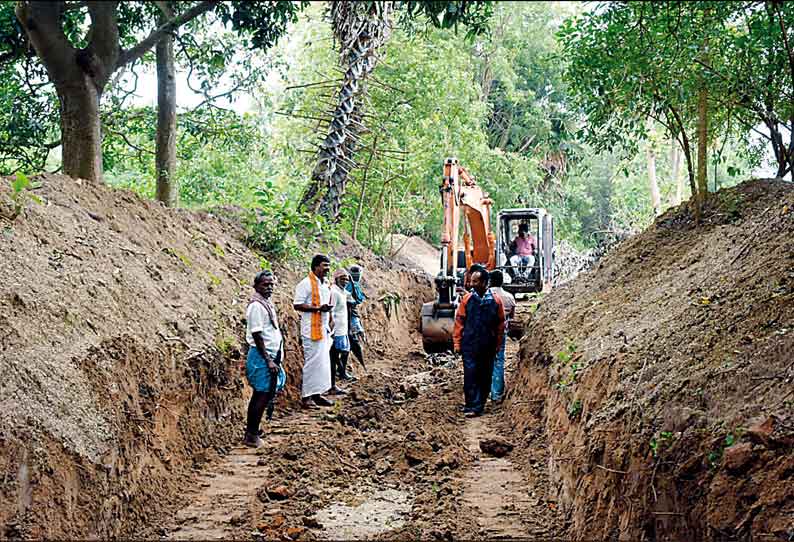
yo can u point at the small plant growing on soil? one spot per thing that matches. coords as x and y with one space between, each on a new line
214 281
564 357
574 409
225 345
181 257
664 441
391 302
20 195
715 456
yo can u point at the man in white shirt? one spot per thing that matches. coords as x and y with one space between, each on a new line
341 345
312 299
265 348
509 303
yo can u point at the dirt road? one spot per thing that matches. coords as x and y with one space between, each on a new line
393 459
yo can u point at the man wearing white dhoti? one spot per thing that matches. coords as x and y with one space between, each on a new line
313 300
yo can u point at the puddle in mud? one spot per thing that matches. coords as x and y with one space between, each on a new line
382 511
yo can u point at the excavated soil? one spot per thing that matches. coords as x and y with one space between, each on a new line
417 253
393 460
121 324
651 400
663 378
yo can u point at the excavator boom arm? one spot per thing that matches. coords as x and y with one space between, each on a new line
462 196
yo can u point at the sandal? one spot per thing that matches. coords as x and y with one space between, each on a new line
308 405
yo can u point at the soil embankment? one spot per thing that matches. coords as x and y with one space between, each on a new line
664 377
121 327
417 253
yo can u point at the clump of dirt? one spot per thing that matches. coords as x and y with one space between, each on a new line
664 377
121 327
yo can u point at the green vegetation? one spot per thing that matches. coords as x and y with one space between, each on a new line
568 358
575 409
20 195
391 304
664 441
605 114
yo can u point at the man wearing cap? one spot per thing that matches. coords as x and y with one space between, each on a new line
340 350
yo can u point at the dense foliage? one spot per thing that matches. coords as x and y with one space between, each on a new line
560 105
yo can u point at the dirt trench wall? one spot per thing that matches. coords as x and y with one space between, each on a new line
121 325
664 378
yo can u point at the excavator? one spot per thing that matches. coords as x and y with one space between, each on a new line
466 205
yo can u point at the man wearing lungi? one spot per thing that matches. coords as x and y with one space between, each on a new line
313 301
265 351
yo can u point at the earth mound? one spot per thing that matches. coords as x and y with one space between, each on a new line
121 331
417 253
664 377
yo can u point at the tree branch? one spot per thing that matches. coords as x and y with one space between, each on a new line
128 142
138 50
104 41
42 24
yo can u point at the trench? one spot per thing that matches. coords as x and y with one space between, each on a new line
409 465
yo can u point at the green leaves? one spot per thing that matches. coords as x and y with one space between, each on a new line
21 195
475 15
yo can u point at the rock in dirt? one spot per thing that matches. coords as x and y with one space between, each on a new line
311 522
496 447
382 466
738 456
761 430
278 493
447 460
276 522
417 452
293 533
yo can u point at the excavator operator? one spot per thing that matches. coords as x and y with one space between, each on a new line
522 249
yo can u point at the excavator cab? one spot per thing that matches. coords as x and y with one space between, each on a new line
531 271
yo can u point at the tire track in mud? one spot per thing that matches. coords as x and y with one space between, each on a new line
393 468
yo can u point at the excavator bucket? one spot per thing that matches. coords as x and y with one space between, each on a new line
437 326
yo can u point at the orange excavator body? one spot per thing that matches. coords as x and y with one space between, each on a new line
461 197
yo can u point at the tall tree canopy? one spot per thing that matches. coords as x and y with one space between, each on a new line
360 29
631 61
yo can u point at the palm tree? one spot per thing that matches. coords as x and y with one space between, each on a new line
360 29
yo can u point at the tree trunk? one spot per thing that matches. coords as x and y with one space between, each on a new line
80 75
80 129
361 28
653 185
165 150
505 137
656 199
676 121
703 132
675 161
